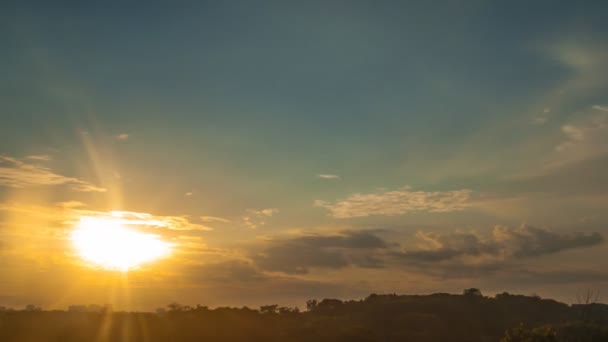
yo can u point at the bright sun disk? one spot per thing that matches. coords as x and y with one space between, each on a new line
108 244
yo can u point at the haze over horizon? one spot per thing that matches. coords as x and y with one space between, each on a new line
250 153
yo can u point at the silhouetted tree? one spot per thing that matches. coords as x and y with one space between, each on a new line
32 307
472 292
176 307
589 296
379 317
311 304
286 310
329 304
269 309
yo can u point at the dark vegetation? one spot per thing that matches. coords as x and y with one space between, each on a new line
437 317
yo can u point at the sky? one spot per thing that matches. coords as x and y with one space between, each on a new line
288 151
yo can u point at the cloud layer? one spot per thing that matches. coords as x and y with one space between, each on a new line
19 174
455 254
504 243
297 255
397 202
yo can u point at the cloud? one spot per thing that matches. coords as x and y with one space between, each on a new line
542 118
448 246
328 176
71 212
257 218
47 230
188 194
214 219
296 255
19 174
71 204
585 138
42 157
601 108
457 254
503 245
130 218
527 241
121 136
397 202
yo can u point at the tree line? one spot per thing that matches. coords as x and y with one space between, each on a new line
469 316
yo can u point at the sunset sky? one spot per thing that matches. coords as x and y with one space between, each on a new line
290 151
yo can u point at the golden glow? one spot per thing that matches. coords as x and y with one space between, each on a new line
107 243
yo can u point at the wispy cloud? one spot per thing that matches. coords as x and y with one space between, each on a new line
585 59
131 218
214 219
328 176
585 138
19 174
41 157
48 226
601 108
121 136
257 218
397 202
542 118
72 211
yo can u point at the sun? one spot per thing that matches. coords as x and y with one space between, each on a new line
107 243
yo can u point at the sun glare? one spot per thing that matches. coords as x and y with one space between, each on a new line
109 244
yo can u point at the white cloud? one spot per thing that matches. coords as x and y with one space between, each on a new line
42 157
19 174
328 176
397 202
121 136
257 218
